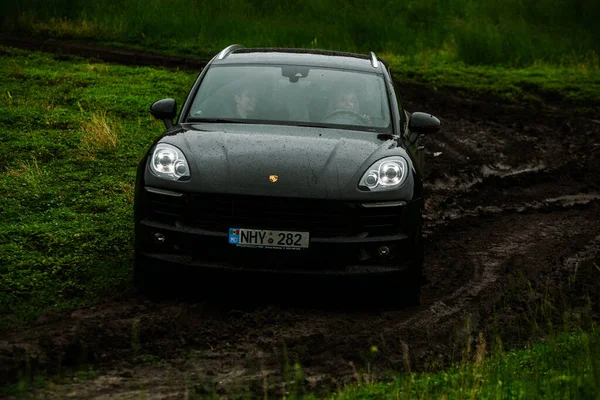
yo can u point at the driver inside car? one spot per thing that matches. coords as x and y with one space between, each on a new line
347 99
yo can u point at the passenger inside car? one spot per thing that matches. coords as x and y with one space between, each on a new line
245 103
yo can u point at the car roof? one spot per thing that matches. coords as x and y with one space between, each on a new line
308 57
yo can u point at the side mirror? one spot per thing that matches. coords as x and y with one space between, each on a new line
164 109
423 123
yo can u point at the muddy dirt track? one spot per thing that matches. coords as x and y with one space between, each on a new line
512 235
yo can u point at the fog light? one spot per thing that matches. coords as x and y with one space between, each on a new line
383 251
159 238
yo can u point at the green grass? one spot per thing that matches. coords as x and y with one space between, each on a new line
74 132
488 32
565 367
538 84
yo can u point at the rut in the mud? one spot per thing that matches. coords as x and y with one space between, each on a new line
514 199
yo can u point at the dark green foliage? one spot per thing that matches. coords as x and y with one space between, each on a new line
517 32
511 32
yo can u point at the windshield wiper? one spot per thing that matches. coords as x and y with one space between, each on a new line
309 124
215 120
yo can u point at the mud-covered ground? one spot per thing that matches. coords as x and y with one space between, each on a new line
512 236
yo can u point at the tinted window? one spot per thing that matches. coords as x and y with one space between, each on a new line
292 95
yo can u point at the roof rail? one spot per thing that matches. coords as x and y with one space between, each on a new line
374 61
225 52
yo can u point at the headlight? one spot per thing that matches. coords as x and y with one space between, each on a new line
386 174
168 162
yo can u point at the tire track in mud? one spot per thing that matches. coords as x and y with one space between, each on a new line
511 193
315 337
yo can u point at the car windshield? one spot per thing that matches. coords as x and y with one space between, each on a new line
293 95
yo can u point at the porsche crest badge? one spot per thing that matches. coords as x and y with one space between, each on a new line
273 178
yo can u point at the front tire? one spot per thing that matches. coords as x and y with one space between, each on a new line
406 290
417 278
147 279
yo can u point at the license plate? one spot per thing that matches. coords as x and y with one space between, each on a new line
268 239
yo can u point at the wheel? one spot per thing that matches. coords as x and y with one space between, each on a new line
406 289
399 293
147 279
412 295
416 280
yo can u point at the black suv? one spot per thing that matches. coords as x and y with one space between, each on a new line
289 161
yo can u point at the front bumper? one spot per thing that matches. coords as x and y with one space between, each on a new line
211 251
201 242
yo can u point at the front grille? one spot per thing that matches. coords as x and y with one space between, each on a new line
322 218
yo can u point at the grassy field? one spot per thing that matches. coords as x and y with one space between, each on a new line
75 132
533 85
536 52
493 32
566 367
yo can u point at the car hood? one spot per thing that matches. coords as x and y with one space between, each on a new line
306 162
